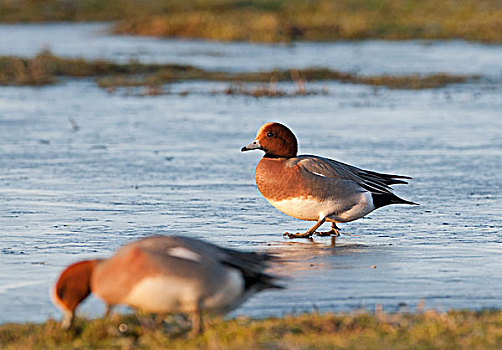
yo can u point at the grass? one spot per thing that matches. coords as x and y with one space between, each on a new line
429 330
45 68
277 20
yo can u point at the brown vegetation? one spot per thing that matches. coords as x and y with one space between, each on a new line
45 68
277 20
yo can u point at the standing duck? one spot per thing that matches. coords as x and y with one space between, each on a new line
166 274
314 188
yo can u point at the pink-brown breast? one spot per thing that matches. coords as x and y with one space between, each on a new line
279 179
114 278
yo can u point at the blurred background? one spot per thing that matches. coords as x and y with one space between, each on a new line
122 119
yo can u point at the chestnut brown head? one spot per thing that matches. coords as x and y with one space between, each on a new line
276 140
72 287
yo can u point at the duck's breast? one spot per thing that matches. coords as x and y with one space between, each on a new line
279 179
114 278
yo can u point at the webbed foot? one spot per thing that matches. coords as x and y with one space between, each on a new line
298 235
335 231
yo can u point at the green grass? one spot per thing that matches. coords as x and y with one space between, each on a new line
277 20
430 330
45 68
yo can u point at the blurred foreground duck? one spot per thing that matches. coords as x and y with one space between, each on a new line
166 274
314 188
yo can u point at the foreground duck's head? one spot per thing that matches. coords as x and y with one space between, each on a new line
276 140
72 287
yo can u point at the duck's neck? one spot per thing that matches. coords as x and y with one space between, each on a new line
270 155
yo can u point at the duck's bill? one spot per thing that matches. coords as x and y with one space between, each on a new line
253 145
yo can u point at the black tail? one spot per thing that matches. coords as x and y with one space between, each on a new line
252 265
383 199
388 179
263 281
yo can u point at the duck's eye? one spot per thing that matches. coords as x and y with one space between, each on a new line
270 134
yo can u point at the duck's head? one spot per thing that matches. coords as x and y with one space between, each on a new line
72 287
276 140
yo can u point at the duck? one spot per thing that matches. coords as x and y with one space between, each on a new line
166 274
314 188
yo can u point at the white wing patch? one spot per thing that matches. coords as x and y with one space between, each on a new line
184 253
318 174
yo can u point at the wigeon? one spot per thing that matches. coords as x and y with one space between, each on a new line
314 188
166 274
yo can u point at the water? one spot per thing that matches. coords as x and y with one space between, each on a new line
171 164
365 57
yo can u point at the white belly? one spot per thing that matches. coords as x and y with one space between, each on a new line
310 208
161 294
303 208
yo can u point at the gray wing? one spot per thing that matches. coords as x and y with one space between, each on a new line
251 264
369 180
207 250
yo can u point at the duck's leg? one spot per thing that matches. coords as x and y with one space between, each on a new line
108 310
335 231
159 319
146 321
197 327
309 232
